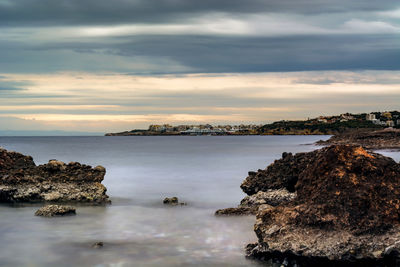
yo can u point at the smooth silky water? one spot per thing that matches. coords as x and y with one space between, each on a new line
137 229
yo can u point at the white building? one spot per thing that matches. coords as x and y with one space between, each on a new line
347 117
370 117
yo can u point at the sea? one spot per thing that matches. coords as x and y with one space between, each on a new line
137 229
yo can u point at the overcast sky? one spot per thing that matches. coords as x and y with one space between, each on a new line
101 66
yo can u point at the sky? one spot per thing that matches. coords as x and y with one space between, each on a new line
105 66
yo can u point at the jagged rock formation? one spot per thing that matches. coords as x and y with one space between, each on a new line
370 139
346 213
22 181
55 210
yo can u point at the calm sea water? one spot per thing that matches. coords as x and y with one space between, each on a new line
137 230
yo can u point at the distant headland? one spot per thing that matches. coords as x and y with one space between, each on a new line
323 125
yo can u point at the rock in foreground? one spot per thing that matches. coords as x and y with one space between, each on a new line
346 213
55 210
22 181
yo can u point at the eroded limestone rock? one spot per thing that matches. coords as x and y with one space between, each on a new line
346 213
22 181
55 210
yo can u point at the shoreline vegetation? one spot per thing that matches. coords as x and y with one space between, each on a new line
323 125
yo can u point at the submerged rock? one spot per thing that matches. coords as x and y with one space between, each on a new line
55 210
346 213
237 211
98 245
22 181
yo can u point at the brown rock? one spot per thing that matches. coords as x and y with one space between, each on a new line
237 211
349 188
282 174
173 201
346 213
55 210
22 181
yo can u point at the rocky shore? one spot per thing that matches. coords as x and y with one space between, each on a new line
22 181
345 210
370 139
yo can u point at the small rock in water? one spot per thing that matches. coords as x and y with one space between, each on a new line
173 201
55 210
98 245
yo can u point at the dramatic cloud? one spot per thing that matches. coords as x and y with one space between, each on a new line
104 12
73 64
189 36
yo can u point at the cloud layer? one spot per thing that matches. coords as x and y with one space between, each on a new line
189 36
116 102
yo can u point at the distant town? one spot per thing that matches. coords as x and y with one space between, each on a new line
386 119
202 129
315 126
